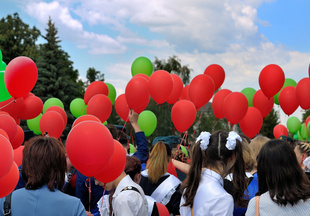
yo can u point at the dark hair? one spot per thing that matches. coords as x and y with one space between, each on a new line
133 166
44 162
214 156
113 130
123 138
280 174
304 147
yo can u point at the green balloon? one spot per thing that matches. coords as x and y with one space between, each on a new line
249 94
105 123
296 136
34 124
4 94
142 65
287 82
147 122
77 107
293 124
132 149
2 66
299 136
52 102
112 92
303 131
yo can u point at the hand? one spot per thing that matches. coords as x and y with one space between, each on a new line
133 118
89 213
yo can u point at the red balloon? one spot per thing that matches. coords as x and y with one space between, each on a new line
162 210
218 103
96 87
17 120
19 138
302 91
263 103
9 182
271 80
287 100
3 133
280 130
160 85
20 76
61 111
116 165
217 73
177 89
52 123
185 95
121 106
137 92
201 90
252 122
309 70
18 155
6 156
183 115
307 120
235 107
100 106
8 124
12 106
90 147
85 118
142 107
32 107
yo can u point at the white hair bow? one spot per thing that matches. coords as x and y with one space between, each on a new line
204 137
231 140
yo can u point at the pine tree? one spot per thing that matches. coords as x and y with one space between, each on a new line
270 121
57 78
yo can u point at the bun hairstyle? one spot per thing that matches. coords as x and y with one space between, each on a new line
220 148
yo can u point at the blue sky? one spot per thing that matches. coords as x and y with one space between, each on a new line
242 36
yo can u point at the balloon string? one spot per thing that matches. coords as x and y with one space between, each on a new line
179 146
89 192
8 104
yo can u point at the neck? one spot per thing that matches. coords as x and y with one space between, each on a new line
220 171
117 181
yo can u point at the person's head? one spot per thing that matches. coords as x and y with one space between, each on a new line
248 156
133 168
302 150
280 174
220 151
158 161
113 130
44 162
123 139
257 143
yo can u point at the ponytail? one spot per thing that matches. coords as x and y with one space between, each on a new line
191 183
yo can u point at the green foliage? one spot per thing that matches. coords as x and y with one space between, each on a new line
270 121
17 38
173 65
93 75
305 115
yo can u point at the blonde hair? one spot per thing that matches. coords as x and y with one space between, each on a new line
248 156
304 147
256 144
158 162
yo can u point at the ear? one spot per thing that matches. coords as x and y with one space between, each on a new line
137 178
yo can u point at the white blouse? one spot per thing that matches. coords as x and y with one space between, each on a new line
211 198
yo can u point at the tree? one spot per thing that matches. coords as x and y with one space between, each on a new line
305 115
17 38
173 65
92 75
57 78
270 121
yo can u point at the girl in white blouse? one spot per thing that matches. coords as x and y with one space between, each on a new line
214 156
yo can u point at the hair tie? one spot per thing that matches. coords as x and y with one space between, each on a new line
231 140
204 137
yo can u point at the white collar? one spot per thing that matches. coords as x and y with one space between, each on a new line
213 175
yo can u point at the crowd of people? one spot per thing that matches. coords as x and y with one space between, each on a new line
228 174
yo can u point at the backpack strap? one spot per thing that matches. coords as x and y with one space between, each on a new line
7 205
130 188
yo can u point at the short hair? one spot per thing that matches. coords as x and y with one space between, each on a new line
113 130
304 147
133 166
280 174
44 162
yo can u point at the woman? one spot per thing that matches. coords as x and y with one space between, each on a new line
203 192
43 170
284 189
302 151
159 184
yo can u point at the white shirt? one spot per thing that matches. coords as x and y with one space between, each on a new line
127 202
211 198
